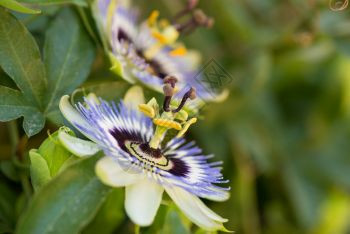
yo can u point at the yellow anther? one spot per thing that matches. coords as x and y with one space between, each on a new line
186 126
166 36
152 19
167 124
160 37
178 51
147 110
182 115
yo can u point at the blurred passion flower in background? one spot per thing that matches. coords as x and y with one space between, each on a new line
149 51
137 160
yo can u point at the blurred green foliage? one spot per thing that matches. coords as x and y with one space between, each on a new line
283 132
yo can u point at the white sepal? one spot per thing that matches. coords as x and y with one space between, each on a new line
195 209
76 146
142 201
111 173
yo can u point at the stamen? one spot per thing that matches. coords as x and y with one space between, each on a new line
152 19
147 110
167 123
186 126
191 94
166 36
180 51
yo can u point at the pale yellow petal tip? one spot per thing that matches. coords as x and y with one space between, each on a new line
223 229
134 96
65 105
101 172
227 197
93 98
147 110
222 96
63 101
167 123
194 57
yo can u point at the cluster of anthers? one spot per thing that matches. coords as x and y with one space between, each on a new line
167 33
172 117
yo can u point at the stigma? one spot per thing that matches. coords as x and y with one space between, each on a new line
169 116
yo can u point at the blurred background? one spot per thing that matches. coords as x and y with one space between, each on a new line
283 133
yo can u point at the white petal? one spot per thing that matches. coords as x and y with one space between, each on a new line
211 214
70 113
142 201
74 117
223 196
134 96
195 209
112 174
77 146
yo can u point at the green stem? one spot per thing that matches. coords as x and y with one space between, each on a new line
14 137
27 188
15 142
137 229
157 137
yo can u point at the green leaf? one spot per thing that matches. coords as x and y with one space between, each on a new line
7 205
39 170
67 203
159 221
54 153
68 55
108 219
14 105
50 2
108 90
50 159
16 6
20 58
173 223
9 170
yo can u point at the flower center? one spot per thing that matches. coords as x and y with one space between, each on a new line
123 36
144 153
